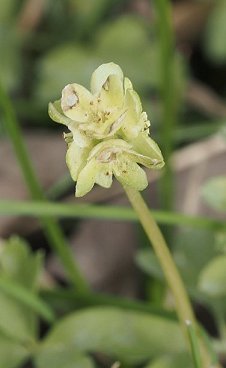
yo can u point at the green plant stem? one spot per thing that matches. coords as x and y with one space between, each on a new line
194 345
168 94
53 231
182 302
83 211
81 300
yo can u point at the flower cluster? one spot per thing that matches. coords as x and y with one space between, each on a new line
109 132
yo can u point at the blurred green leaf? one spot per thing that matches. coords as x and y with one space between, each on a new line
193 249
63 357
172 361
18 266
214 192
7 10
128 336
12 354
10 68
148 262
15 320
27 298
127 42
18 263
90 13
65 64
220 241
124 41
212 279
215 32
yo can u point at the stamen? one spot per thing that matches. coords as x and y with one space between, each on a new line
106 85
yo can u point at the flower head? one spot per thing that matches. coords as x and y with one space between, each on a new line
109 132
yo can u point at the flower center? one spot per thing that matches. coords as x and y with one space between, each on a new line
108 155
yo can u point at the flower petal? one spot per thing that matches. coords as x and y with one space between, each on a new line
56 113
104 176
76 102
93 172
87 178
129 173
143 160
127 83
101 74
111 93
135 120
76 158
103 149
146 146
133 101
79 135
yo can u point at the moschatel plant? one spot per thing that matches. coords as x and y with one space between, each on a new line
109 136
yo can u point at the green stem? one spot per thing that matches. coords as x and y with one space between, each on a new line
182 302
194 345
53 232
160 247
81 300
84 211
168 94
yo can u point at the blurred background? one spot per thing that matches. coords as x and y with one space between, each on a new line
48 43
177 63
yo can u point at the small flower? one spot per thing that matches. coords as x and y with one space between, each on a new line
108 158
109 132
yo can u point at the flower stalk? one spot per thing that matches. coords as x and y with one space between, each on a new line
182 302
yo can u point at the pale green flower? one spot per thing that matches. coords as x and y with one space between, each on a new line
108 158
109 132
97 114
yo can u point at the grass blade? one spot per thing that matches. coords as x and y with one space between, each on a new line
194 345
62 210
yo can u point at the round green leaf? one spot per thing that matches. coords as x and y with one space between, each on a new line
128 336
11 61
15 321
63 357
63 65
148 262
212 279
11 353
215 32
214 192
172 361
19 264
123 41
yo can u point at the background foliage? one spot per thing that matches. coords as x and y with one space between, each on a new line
45 45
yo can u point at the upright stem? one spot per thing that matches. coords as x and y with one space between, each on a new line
182 302
53 231
168 94
160 247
